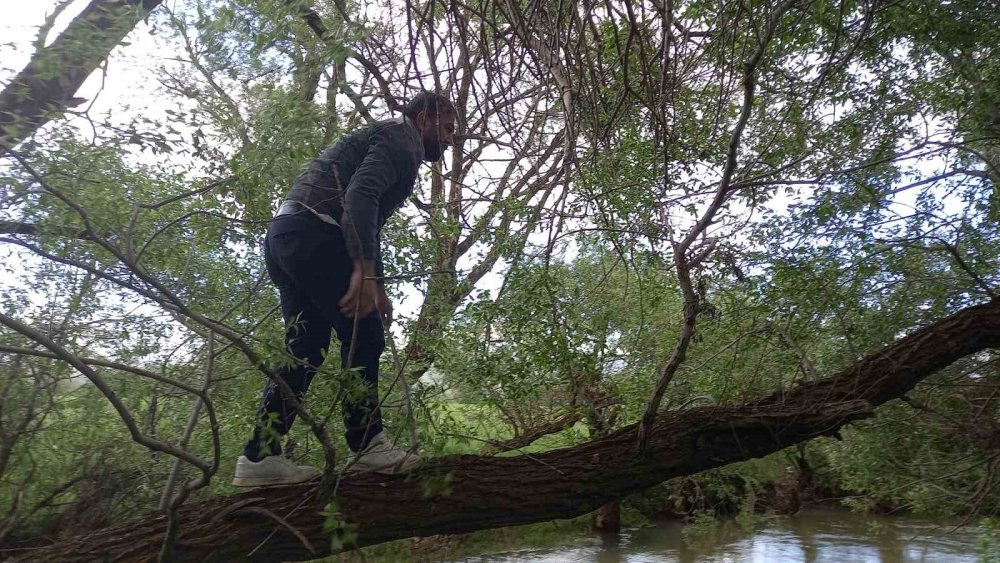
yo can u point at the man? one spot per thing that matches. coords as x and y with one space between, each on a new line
322 251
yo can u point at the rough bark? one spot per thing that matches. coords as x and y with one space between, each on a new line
47 84
466 493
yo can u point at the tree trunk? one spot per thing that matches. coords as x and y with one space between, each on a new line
54 74
465 493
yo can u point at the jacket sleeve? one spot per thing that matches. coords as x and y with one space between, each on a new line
383 166
379 264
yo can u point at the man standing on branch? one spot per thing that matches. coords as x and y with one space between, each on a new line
322 250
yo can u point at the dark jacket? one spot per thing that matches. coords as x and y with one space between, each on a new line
377 165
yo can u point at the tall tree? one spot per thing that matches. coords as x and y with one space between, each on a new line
47 85
759 155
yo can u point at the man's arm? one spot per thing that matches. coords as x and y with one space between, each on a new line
379 265
378 172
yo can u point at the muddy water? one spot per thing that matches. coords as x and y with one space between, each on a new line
820 536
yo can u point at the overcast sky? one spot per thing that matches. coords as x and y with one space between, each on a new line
129 88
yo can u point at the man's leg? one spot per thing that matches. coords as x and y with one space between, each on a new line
326 283
312 271
317 264
361 348
307 334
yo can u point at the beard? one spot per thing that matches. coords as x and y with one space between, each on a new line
433 151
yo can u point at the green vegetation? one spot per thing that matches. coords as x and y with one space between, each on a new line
762 192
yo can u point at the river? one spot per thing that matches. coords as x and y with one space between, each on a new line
811 536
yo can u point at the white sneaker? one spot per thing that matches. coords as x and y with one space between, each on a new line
272 470
381 456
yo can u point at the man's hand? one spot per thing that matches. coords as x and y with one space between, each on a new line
384 305
361 292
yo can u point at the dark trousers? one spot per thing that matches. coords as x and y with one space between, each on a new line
308 261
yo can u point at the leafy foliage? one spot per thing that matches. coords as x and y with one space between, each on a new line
810 179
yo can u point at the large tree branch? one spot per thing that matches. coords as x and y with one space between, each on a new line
54 74
466 493
682 262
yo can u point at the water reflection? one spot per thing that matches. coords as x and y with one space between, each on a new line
811 536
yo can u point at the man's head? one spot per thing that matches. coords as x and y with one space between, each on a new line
434 116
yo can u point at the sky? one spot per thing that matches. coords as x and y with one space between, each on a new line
127 82
125 90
